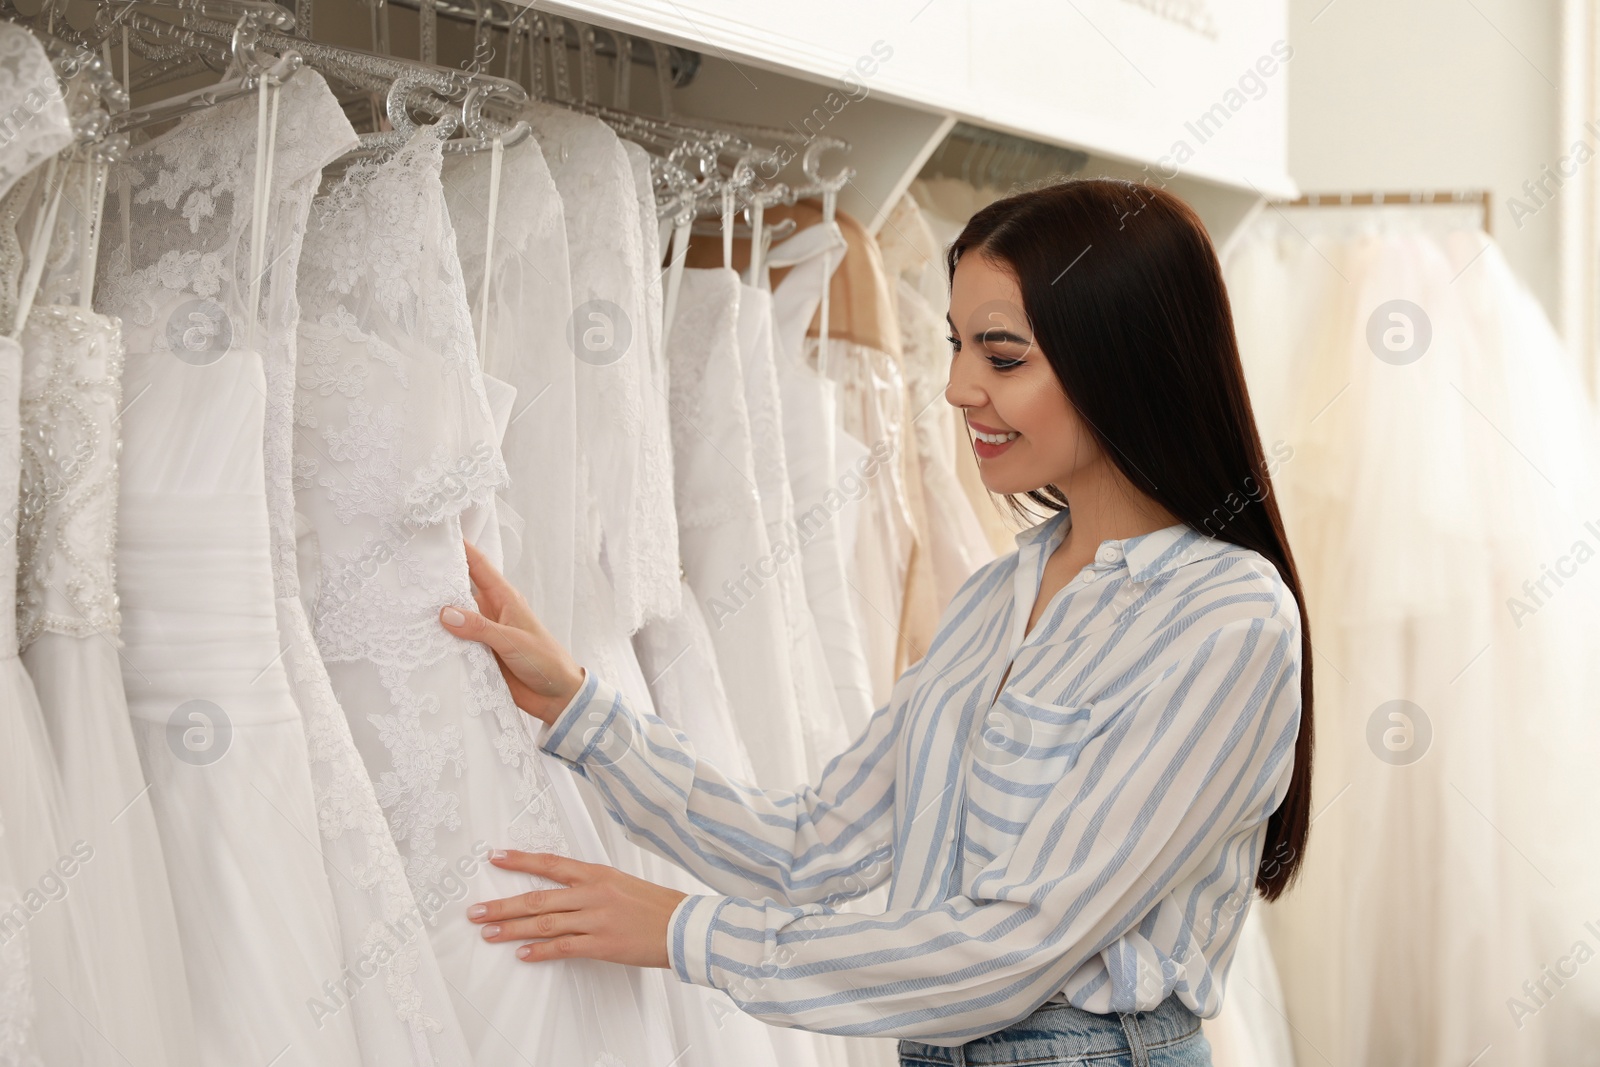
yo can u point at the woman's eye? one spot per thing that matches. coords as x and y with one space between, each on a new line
997 362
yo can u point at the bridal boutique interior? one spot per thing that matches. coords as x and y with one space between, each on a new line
646 299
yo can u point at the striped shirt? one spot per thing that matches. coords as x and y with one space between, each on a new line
1093 830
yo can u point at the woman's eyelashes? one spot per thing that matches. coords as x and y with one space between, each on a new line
997 362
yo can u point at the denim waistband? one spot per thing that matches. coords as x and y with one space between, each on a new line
1060 1030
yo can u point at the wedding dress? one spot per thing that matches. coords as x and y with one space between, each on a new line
219 731
68 630
678 658
529 302
872 405
999 527
676 653
397 441
821 461
822 719
49 1004
52 1005
727 559
402 1007
957 544
526 231
607 332
1439 483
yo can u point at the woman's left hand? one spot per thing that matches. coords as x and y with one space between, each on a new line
603 914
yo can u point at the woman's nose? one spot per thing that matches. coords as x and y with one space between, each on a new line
962 391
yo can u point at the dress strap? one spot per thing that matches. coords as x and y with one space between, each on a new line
496 161
44 226
266 148
680 251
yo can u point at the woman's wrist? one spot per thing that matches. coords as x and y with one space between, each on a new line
572 689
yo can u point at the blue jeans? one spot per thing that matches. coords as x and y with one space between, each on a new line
1059 1036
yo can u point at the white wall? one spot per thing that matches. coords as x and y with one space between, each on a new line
1432 95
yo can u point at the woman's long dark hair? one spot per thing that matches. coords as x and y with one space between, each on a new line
1125 297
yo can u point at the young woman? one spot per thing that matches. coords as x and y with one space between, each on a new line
1106 749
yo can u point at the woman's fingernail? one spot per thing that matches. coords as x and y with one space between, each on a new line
477 911
525 951
453 617
491 932
498 854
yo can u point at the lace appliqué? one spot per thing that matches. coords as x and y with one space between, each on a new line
410 793
384 478
346 804
537 825
425 753
71 392
30 95
381 233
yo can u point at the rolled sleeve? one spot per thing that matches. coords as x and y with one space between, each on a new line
689 938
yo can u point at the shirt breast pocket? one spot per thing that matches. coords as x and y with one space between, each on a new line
1026 747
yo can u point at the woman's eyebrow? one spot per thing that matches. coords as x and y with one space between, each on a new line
996 334
1000 335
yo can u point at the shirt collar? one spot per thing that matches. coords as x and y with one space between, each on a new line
1146 555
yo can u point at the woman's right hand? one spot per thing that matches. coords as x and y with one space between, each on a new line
543 676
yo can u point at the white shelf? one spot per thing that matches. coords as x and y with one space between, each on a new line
1111 77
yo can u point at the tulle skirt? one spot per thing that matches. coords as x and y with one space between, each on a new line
138 957
50 1003
222 745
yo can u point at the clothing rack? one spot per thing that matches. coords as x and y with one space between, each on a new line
983 157
719 172
499 15
1481 197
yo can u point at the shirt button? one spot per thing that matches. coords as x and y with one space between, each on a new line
1109 553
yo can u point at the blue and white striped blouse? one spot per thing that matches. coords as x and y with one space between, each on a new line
1093 832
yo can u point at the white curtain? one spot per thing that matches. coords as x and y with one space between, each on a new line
1436 458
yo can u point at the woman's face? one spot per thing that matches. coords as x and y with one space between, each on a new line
1008 387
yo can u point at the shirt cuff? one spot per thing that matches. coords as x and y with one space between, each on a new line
689 938
567 736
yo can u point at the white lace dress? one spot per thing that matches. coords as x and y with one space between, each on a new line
49 1008
396 441
214 711
404 1013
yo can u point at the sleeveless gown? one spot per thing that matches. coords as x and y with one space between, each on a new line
218 728
68 623
50 1006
